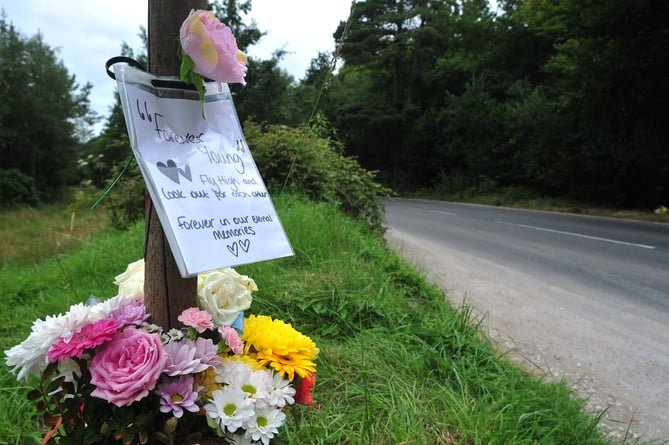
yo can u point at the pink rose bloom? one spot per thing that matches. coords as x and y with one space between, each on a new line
212 47
89 337
231 338
127 367
196 319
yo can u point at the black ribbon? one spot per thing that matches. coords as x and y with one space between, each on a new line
121 59
158 83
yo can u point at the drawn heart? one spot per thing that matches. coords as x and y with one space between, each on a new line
172 171
233 249
245 244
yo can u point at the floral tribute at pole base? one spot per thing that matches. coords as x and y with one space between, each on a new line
107 375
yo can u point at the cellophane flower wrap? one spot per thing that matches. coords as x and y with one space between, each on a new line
107 375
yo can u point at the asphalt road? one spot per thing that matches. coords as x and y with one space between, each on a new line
588 297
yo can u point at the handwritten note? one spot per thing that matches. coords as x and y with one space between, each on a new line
210 198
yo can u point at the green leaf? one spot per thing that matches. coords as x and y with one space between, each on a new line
186 69
162 438
34 394
171 425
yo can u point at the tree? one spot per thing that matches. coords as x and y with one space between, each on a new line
230 12
44 112
607 75
370 97
413 57
269 95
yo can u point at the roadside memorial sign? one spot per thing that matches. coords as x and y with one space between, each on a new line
207 191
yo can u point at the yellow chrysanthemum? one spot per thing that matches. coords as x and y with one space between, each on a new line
278 345
248 359
208 381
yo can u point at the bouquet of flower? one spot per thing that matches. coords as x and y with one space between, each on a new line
107 375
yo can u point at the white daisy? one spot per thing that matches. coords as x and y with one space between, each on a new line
264 424
257 385
232 372
175 334
230 408
152 329
282 391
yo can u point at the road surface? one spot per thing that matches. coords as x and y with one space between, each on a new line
574 297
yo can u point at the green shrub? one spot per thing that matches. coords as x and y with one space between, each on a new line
17 188
300 160
126 200
289 159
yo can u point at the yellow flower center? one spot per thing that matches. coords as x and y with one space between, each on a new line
249 389
229 409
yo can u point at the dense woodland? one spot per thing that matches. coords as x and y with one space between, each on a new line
560 97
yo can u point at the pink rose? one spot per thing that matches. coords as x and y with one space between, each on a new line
212 48
127 367
196 319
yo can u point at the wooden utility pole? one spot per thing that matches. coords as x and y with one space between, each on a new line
166 294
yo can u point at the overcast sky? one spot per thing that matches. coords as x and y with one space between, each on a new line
88 32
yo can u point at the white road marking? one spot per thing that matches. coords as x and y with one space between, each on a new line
579 235
442 212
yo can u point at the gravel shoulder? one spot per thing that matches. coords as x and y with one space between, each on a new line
561 334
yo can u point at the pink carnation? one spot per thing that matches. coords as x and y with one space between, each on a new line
127 367
231 338
89 337
196 319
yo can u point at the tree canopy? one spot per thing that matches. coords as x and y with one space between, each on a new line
562 96
44 113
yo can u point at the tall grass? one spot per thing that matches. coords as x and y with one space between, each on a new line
398 365
29 235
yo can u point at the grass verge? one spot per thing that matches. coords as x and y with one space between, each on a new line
29 235
398 365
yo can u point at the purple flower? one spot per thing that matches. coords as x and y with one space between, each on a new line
177 395
132 312
190 357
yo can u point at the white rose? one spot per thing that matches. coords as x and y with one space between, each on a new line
131 282
225 294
